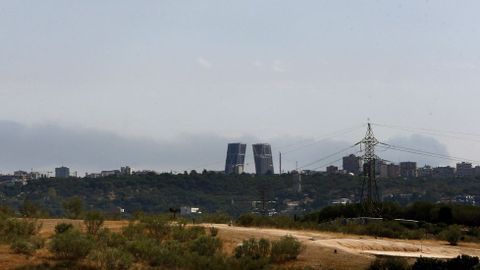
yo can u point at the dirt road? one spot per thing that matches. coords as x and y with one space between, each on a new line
352 251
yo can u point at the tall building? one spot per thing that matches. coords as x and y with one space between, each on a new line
477 170
262 153
332 169
62 172
425 171
465 169
351 164
408 169
389 170
393 170
235 158
444 172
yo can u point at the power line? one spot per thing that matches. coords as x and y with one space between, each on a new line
424 153
326 157
303 143
433 132
332 162
430 130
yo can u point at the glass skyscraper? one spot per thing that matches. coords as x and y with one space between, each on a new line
235 162
262 153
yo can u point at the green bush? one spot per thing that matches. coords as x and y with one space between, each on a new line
133 231
248 263
156 226
217 218
253 249
286 249
73 207
27 246
111 259
452 234
194 261
184 234
213 231
93 222
71 245
463 262
12 229
63 227
170 254
206 245
110 239
389 264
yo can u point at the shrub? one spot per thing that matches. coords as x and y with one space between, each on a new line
185 234
133 231
452 234
463 262
27 246
63 227
170 254
156 226
286 249
217 218
206 245
194 261
246 220
389 264
213 231
73 207
253 249
111 259
93 222
30 209
248 263
143 249
110 239
12 229
72 245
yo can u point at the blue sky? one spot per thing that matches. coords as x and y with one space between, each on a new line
267 70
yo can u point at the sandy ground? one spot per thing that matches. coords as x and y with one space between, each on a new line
322 250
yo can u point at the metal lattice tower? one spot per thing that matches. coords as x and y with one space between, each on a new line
369 197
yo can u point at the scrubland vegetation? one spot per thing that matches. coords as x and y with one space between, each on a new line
151 242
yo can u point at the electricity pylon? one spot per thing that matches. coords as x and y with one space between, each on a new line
369 198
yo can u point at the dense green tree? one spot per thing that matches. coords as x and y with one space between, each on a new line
73 207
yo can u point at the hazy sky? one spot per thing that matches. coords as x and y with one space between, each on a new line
169 73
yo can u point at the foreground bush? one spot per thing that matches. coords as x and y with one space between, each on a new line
111 259
452 234
463 262
389 264
12 229
286 249
206 246
63 227
71 245
93 222
253 249
27 246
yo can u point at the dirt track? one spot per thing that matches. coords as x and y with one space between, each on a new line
352 251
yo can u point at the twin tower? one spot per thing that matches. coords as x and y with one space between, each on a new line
262 154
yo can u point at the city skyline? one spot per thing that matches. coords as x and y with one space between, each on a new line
101 147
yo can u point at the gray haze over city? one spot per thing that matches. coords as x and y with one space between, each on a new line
165 85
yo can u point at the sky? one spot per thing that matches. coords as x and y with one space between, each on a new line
166 84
